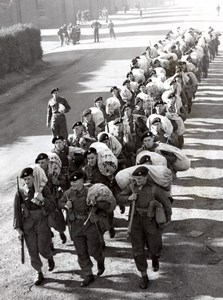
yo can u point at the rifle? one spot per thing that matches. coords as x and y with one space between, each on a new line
68 218
20 221
132 213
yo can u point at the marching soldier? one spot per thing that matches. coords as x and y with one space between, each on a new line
31 212
84 229
56 219
145 231
62 151
80 138
90 125
57 107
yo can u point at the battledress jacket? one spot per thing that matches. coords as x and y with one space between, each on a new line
23 205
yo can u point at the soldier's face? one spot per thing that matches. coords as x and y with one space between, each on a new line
88 117
140 180
92 159
173 87
59 144
43 163
98 104
148 141
156 126
78 130
119 128
159 109
106 142
131 77
128 112
77 185
143 89
55 95
115 93
28 181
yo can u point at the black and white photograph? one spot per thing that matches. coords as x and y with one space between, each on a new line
111 149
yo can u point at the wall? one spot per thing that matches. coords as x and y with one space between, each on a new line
53 13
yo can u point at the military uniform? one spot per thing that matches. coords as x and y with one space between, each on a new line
56 218
85 236
56 117
63 155
94 175
32 219
96 25
144 230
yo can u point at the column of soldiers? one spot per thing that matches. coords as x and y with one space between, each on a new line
142 125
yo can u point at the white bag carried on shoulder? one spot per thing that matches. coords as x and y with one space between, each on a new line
161 175
107 161
182 163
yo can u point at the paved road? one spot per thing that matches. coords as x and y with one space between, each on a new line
191 267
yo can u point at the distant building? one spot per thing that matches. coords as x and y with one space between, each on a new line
49 13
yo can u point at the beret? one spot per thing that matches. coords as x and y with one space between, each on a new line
54 90
117 121
146 134
90 151
125 106
159 102
141 84
113 88
144 159
126 81
103 137
56 138
26 172
138 99
41 156
155 120
76 124
156 61
140 171
86 112
98 99
76 175
129 73
173 81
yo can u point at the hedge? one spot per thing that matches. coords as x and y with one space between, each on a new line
20 47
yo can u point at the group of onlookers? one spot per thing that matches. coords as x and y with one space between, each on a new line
69 34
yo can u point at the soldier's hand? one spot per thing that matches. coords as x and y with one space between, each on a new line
39 196
19 234
132 197
47 125
68 204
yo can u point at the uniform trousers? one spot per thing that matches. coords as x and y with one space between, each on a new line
144 232
59 125
87 243
96 35
37 236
